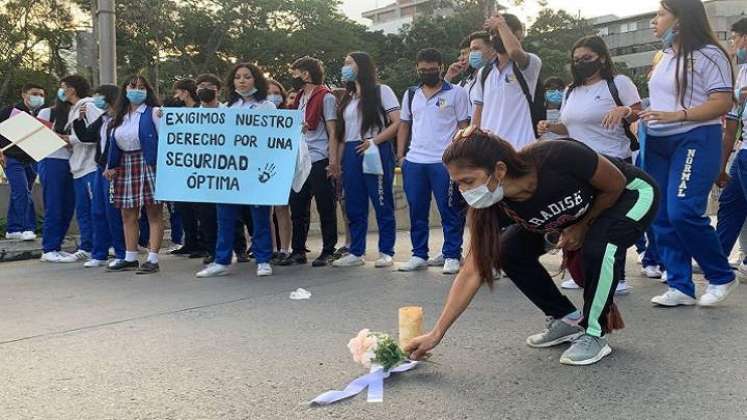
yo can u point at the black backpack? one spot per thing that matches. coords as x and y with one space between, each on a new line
536 103
634 144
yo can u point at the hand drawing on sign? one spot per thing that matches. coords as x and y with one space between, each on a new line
266 173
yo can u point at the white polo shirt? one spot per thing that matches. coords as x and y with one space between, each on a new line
585 107
469 85
709 71
434 121
61 153
354 117
505 110
740 84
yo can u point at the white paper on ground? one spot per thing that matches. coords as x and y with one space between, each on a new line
31 135
374 381
300 294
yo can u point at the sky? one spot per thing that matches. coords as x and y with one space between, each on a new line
587 8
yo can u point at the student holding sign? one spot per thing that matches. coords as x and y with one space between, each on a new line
108 230
247 88
20 169
132 170
369 118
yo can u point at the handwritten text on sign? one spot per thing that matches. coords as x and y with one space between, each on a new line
228 156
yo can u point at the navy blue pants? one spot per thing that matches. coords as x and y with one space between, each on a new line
21 214
83 209
108 230
59 201
261 235
685 166
732 209
420 181
359 189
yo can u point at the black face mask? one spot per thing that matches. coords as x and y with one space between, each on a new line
585 69
430 78
206 95
297 83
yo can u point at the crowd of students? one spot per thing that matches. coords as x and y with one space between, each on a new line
485 135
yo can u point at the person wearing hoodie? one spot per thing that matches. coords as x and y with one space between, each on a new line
20 169
76 91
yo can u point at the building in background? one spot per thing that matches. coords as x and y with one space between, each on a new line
394 16
631 39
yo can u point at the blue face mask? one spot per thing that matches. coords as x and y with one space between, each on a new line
137 96
669 36
275 99
100 102
476 60
348 74
554 96
36 101
61 95
742 56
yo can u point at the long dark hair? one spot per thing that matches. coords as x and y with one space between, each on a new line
483 151
695 32
370 103
599 47
122 107
260 83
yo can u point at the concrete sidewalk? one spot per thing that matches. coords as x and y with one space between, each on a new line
84 344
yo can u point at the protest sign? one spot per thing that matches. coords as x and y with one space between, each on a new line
227 156
31 135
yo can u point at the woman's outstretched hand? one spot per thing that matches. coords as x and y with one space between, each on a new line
419 347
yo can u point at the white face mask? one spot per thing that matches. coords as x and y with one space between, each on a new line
481 197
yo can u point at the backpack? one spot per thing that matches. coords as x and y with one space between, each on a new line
536 103
634 144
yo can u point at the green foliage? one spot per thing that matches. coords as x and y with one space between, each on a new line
388 353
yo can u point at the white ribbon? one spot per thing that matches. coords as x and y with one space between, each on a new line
374 381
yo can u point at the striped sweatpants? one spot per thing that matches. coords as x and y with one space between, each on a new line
603 254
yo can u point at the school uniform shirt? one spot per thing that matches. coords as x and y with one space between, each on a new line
585 107
564 192
469 85
354 117
737 111
505 110
61 153
127 135
83 156
252 103
318 140
434 121
708 71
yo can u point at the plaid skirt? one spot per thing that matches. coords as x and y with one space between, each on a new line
135 183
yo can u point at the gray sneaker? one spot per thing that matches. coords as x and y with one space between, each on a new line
586 350
557 332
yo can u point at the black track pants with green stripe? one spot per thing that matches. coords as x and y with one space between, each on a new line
603 255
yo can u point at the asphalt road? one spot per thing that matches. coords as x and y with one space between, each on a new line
83 344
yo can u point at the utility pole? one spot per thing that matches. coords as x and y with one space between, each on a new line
107 40
94 47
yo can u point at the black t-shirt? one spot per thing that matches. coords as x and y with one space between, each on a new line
564 192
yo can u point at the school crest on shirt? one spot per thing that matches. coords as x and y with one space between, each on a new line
510 78
441 103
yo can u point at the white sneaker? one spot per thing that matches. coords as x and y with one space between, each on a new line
664 277
651 271
384 261
113 262
623 288
213 270
53 257
717 293
94 263
28 236
673 297
415 264
77 256
437 261
14 235
451 266
265 269
569 283
349 260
